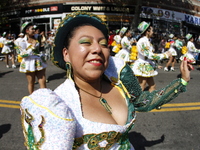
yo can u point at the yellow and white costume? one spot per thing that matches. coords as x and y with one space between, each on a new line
191 52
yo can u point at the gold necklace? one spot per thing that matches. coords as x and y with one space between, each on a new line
102 101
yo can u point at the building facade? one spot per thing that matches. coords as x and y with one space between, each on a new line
170 16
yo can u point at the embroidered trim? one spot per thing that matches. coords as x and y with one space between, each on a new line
93 140
112 137
47 109
30 142
184 82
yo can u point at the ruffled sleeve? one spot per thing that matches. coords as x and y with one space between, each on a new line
191 47
47 121
25 49
126 43
145 49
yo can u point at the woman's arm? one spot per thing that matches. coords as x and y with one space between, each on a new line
191 47
146 101
145 49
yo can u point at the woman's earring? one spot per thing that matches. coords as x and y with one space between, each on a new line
69 69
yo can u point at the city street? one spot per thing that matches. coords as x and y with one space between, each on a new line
174 127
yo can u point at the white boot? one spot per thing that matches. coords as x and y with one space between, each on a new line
172 69
13 66
165 69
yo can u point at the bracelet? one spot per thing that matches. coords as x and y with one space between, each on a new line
184 82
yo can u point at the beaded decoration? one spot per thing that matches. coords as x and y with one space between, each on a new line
30 142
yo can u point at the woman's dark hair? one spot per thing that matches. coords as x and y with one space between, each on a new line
147 30
27 27
126 31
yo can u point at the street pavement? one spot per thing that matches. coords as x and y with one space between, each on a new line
174 127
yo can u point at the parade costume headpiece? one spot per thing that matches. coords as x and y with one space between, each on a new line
198 40
21 34
24 25
188 36
171 36
71 21
4 33
123 30
117 31
143 26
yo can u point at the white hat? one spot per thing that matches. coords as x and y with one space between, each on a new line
24 25
4 33
21 34
171 36
35 26
143 26
123 30
188 36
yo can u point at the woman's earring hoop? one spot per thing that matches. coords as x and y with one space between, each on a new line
69 69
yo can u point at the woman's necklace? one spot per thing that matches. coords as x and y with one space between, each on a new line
102 101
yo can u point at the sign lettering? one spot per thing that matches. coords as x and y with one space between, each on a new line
81 8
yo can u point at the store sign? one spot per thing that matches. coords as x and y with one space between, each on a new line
40 10
114 18
54 8
149 12
56 22
99 8
192 19
81 8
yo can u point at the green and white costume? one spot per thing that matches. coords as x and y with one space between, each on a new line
53 119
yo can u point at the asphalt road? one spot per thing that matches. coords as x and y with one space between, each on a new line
174 127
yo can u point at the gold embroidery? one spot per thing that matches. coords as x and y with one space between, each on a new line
93 140
30 142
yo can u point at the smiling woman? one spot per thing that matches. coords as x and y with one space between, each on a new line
95 107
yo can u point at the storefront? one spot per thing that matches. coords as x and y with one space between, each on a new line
193 25
46 17
115 16
167 21
163 21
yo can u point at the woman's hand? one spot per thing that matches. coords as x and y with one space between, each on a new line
160 67
185 69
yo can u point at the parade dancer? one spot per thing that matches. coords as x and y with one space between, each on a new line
95 107
33 63
8 50
191 50
172 58
126 44
144 67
